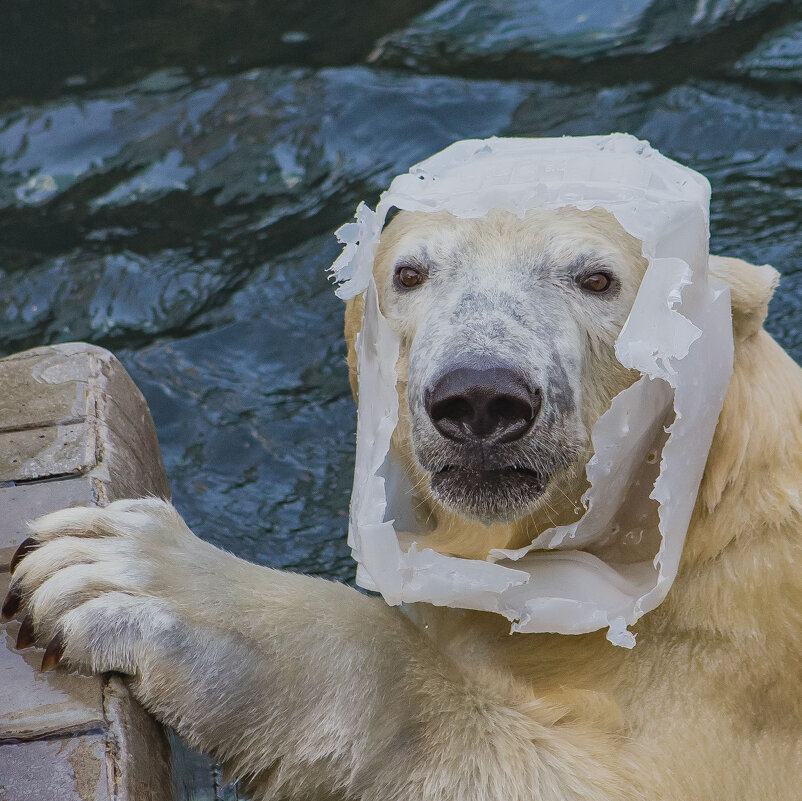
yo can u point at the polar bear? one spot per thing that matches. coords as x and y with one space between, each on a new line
307 689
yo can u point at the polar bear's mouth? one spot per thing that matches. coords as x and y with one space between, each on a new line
501 494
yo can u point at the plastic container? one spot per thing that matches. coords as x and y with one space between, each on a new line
678 335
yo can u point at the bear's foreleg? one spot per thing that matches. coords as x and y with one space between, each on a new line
302 687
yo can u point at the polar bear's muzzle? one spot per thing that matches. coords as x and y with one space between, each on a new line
490 435
480 409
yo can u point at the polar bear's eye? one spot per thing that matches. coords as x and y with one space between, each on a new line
595 282
408 276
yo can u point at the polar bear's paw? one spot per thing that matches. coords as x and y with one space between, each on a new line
91 582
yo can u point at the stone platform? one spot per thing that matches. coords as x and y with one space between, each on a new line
75 430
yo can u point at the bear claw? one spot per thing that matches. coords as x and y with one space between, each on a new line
11 605
53 653
25 547
26 636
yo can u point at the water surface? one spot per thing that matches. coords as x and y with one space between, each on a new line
170 177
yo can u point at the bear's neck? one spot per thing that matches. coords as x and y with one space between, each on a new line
743 551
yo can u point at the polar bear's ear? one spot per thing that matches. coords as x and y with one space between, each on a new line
354 309
751 288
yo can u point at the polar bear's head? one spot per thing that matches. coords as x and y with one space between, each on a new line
507 329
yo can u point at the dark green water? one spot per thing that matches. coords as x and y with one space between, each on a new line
170 174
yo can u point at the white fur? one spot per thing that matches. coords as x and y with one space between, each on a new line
308 690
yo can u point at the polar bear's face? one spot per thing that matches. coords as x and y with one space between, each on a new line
507 331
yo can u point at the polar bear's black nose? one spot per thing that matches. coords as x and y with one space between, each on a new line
494 405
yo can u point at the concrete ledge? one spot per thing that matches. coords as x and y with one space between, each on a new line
74 430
